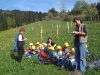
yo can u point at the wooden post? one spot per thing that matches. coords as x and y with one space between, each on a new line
68 26
57 30
41 32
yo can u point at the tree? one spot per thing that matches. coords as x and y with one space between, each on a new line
50 15
79 7
83 9
63 8
54 12
98 7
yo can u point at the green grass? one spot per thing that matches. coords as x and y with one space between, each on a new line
8 65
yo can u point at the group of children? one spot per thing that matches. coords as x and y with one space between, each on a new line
50 53
46 53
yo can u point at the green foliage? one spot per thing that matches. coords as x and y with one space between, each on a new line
98 7
8 65
10 22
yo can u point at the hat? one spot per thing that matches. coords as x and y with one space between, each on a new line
37 43
31 44
51 48
66 44
41 45
33 47
44 44
73 50
58 47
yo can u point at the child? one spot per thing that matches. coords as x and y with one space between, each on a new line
59 52
20 44
30 47
42 55
37 47
31 53
68 61
46 50
58 55
52 57
65 49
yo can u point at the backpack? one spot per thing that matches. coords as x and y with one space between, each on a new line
76 72
15 42
43 54
94 64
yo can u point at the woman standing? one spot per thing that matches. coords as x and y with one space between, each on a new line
80 39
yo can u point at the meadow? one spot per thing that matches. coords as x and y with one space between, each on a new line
8 64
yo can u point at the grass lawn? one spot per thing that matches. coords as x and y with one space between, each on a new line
8 65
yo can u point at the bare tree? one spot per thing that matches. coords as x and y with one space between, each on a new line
63 8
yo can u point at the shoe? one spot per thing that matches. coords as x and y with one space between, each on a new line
46 63
61 68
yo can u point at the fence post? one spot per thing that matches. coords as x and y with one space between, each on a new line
57 30
41 32
68 26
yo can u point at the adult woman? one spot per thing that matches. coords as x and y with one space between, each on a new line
80 39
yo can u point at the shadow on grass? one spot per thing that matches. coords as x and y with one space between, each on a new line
14 55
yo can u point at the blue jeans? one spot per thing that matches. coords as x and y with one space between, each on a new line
80 56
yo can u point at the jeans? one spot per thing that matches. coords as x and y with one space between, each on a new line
80 56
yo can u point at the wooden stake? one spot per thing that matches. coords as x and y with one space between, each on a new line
68 26
41 32
57 30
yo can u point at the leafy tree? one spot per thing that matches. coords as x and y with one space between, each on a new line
54 12
50 15
98 7
79 8
10 22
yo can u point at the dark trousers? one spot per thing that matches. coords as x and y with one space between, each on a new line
20 53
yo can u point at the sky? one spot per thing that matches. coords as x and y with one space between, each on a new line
37 5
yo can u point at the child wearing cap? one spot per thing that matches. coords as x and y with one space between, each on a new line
65 49
30 47
52 57
59 52
58 55
42 55
68 61
37 47
31 53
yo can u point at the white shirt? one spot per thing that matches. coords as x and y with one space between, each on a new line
20 38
